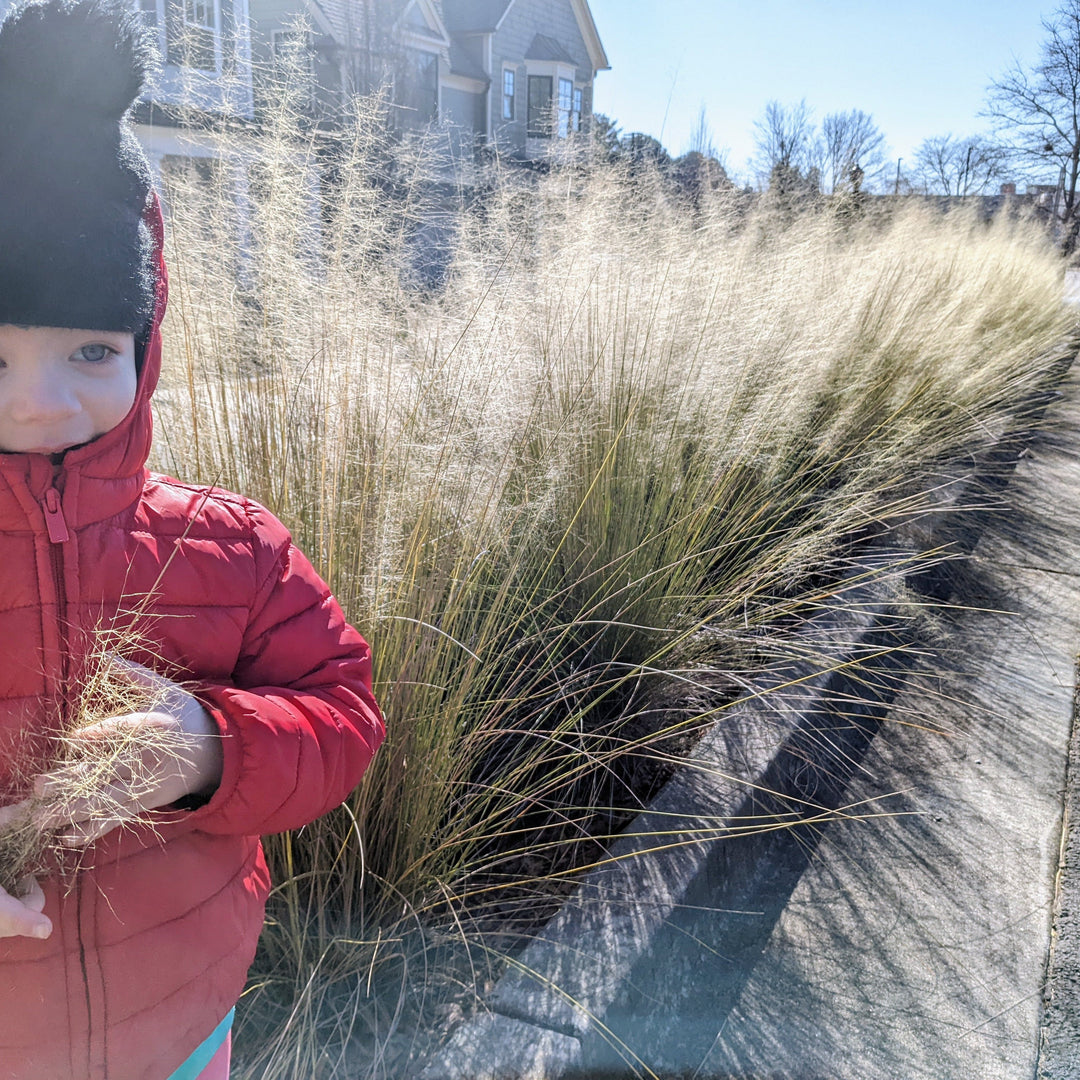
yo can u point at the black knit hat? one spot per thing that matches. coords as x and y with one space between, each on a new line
74 182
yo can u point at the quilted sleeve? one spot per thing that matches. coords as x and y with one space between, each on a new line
298 719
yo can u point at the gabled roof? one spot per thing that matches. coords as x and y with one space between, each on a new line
474 16
591 35
547 48
334 17
422 19
416 21
485 17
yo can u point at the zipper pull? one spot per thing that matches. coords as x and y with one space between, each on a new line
54 517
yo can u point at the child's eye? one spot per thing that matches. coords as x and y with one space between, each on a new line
94 354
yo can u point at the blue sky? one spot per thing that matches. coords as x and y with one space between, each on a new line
920 67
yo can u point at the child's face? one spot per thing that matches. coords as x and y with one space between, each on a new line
62 388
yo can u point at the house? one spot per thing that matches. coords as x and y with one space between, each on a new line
512 74
205 77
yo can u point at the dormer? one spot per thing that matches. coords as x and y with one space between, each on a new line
421 27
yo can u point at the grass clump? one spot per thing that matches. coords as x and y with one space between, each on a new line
87 767
576 483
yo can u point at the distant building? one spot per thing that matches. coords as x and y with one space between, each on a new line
513 74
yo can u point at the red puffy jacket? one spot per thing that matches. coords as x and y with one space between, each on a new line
153 937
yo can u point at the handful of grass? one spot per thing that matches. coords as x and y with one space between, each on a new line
85 768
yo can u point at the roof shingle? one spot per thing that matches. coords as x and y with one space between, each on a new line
547 48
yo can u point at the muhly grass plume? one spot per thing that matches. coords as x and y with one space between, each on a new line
82 770
577 456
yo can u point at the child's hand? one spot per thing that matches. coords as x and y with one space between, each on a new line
187 760
20 916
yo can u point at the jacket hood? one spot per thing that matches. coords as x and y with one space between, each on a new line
101 478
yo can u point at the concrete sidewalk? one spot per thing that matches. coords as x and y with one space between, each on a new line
916 946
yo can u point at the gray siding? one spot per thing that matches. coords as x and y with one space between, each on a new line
472 48
269 16
462 108
509 134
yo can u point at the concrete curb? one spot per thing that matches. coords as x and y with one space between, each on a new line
570 1001
659 938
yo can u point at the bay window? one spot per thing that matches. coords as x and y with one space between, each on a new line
555 103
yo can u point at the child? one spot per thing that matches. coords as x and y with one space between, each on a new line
124 961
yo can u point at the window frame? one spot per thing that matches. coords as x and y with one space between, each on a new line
192 34
283 39
300 43
190 13
564 106
539 119
509 94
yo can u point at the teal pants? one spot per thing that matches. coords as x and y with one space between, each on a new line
205 1051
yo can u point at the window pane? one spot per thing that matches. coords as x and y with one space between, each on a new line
293 50
200 13
566 97
191 33
540 90
508 94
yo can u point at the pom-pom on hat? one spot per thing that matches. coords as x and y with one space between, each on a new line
74 182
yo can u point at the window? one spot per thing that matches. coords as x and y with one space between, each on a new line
566 100
293 49
508 94
200 14
555 103
191 31
540 88
293 72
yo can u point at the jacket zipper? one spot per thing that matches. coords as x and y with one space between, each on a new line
57 528
54 520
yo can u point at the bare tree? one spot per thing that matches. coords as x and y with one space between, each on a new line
787 150
701 140
947 166
852 151
701 168
1037 112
